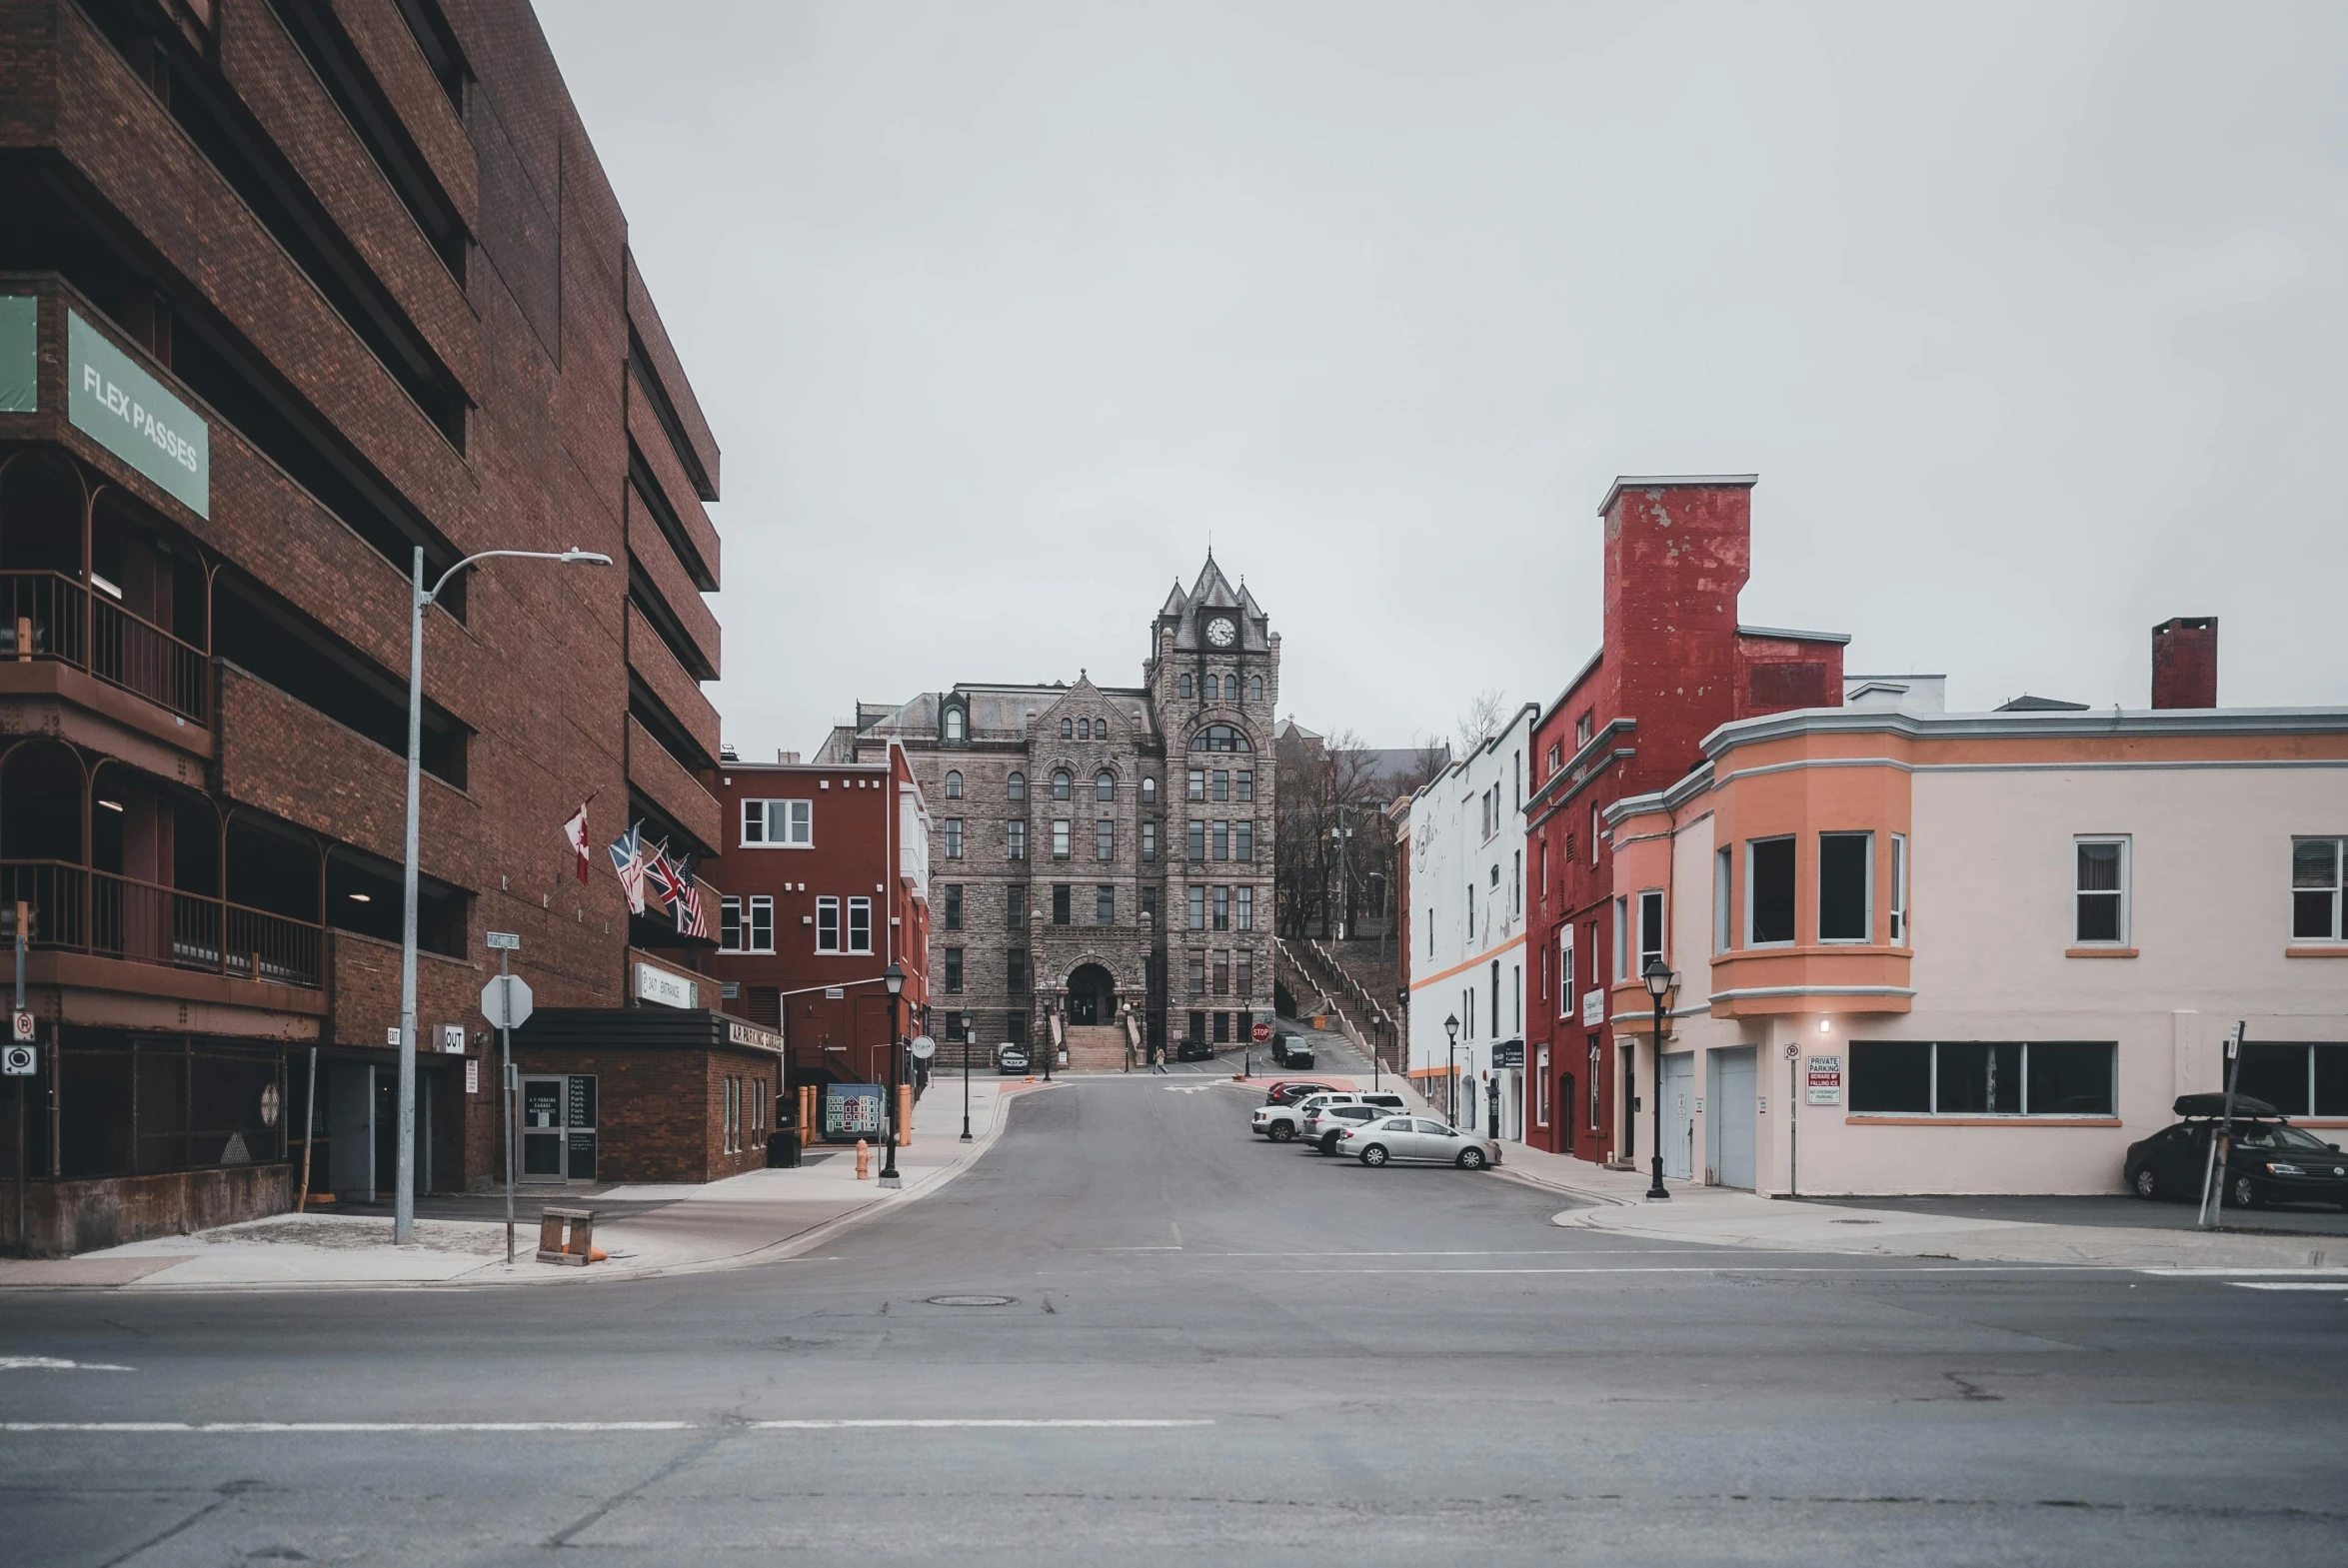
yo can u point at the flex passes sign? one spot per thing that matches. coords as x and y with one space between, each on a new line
109 394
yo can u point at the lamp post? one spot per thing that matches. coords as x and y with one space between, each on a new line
1050 1045
970 1043
421 599
893 978
1657 974
1452 1057
1403 1031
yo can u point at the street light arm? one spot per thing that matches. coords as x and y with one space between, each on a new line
579 558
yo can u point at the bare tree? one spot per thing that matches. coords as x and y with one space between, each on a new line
1483 719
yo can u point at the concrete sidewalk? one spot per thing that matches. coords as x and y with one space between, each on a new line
758 1218
1615 1201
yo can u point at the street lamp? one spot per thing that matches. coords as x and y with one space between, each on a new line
1452 1055
1657 974
1051 1049
970 1043
1402 1031
421 599
893 978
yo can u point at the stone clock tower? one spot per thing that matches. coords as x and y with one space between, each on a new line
1100 856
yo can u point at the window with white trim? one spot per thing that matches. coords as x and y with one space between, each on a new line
827 924
778 825
1899 889
1016 840
2101 893
1846 885
1650 928
860 926
1724 880
1567 978
2319 903
1623 938
728 923
758 933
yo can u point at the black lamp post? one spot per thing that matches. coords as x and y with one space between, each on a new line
1050 1046
1452 1055
970 1043
1657 974
894 978
1403 1031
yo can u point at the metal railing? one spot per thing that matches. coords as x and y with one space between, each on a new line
77 909
48 615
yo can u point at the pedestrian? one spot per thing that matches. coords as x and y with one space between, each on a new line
1157 1058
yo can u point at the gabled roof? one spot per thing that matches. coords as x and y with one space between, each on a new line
1213 590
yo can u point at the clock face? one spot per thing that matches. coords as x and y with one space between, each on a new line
1221 633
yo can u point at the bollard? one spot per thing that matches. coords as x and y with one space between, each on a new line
864 1161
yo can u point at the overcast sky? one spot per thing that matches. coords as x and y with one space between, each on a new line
2030 318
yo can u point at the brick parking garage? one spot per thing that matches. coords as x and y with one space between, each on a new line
290 290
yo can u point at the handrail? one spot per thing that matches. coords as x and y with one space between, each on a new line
47 615
78 909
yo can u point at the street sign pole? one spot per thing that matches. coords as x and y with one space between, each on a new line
24 1237
503 1016
2213 1174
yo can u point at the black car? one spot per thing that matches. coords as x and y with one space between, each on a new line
1299 1053
1193 1050
2269 1161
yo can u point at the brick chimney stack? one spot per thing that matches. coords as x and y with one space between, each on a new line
2184 662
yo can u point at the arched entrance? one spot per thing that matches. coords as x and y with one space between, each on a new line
1091 995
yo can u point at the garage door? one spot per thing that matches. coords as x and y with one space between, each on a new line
1735 1081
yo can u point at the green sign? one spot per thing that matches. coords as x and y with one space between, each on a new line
109 394
20 353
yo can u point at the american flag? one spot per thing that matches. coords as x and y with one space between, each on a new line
690 921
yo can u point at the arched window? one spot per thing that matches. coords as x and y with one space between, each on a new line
1220 738
1256 690
953 724
1083 729
1067 730
1060 785
953 784
1105 786
1018 786
1213 689
1185 685
1149 791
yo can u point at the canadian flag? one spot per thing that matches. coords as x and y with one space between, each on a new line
576 830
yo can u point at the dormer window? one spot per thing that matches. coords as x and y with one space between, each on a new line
955 724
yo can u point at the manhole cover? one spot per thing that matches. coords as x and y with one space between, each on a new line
973 1300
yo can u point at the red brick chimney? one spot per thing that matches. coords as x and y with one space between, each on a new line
2184 662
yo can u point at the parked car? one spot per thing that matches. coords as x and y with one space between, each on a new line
1322 1124
1291 1049
1282 1122
2269 1160
1010 1058
1193 1050
1418 1141
1287 1091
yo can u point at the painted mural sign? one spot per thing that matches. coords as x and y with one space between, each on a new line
111 397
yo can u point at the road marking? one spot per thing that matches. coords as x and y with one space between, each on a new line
1057 1421
2284 1284
1188 1088
1751 1269
54 1364
2220 1271
210 1427
1543 1252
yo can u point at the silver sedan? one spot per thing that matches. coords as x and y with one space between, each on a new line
1419 1141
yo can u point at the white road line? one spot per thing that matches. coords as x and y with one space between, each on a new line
2285 1285
246 1428
2220 1271
1541 1252
210 1427
1751 1269
1060 1421
56 1364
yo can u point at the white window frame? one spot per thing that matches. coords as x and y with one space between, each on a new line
760 818
828 913
2126 893
1540 1092
1899 889
728 919
2338 889
1653 895
760 922
1015 840
1567 976
1723 895
1623 937
1818 915
859 907
1060 841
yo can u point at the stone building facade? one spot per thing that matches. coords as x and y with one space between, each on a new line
1102 854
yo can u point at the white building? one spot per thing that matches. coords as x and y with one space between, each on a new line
1466 953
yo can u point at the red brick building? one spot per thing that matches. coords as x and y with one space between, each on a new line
825 870
1672 665
289 291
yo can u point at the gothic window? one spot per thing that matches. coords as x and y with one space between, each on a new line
1067 730
953 784
1104 786
1017 789
1256 690
1149 791
1213 689
953 724
1220 738
1060 784
1185 685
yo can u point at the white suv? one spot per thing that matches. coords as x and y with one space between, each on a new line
1282 1122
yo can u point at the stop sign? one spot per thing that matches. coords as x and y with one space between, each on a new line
505 1001
1260 1034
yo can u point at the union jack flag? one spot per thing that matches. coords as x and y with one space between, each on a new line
668 880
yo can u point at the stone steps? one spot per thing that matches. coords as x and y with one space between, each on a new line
1095 1047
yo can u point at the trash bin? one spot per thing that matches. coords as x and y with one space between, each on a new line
783 1149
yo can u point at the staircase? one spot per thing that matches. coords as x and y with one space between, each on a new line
1095 1047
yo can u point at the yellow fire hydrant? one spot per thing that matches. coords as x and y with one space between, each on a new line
864 1161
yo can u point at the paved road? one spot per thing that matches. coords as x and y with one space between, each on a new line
1406 1364
2117 1211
